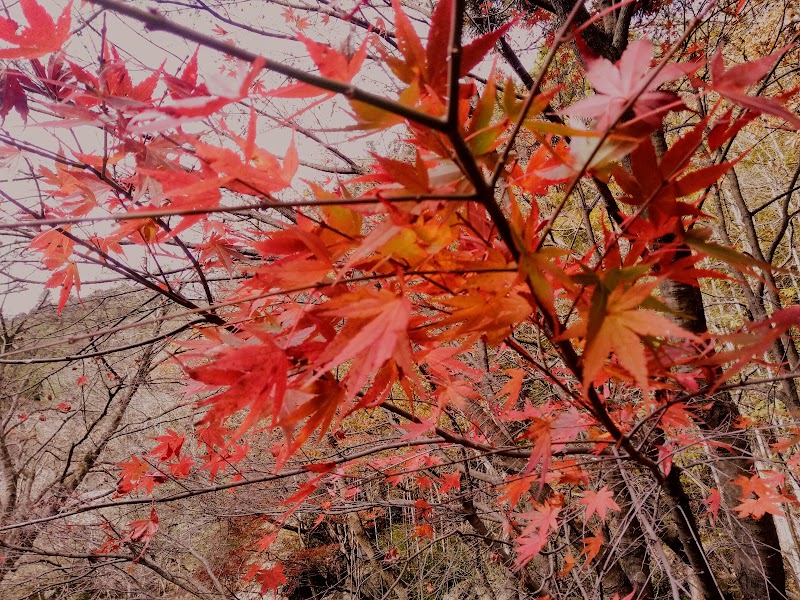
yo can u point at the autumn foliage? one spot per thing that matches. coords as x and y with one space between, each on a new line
511 345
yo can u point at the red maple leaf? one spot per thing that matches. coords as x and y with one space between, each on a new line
66 278
713 502
133 471
599 502
182 468
449 482
375 332
270 579
536 533
256 376
42 36
55 246
169 446
331 63
143 530
733 82
12 94
424 530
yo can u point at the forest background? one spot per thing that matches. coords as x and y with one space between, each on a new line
380 299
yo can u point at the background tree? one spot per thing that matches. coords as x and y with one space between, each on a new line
447 335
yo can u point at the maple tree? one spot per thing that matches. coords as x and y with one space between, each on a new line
404 299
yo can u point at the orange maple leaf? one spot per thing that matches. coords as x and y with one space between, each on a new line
617 324
514 488
713 502
758 507
592 545
66 278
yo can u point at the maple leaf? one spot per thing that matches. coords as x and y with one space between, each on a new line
416 429
449 482
542 452
42 36
587 154
55 246
133 471
765 486
182 468
215 461
186 84
412 176
375 332
617 84
318 409
256 375
758 507
511 388
143 530
270 579
219 252
424 530
713 502
569 563
196 101
468 311
436 49
410 47
592 545
12 95
67 277
257 173
733 82
515 487
537 531
599 502
754 342
616 323
330 62
429 64
169 446
548 430
55 77
475 51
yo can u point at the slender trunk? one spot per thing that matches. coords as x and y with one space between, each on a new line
757 561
